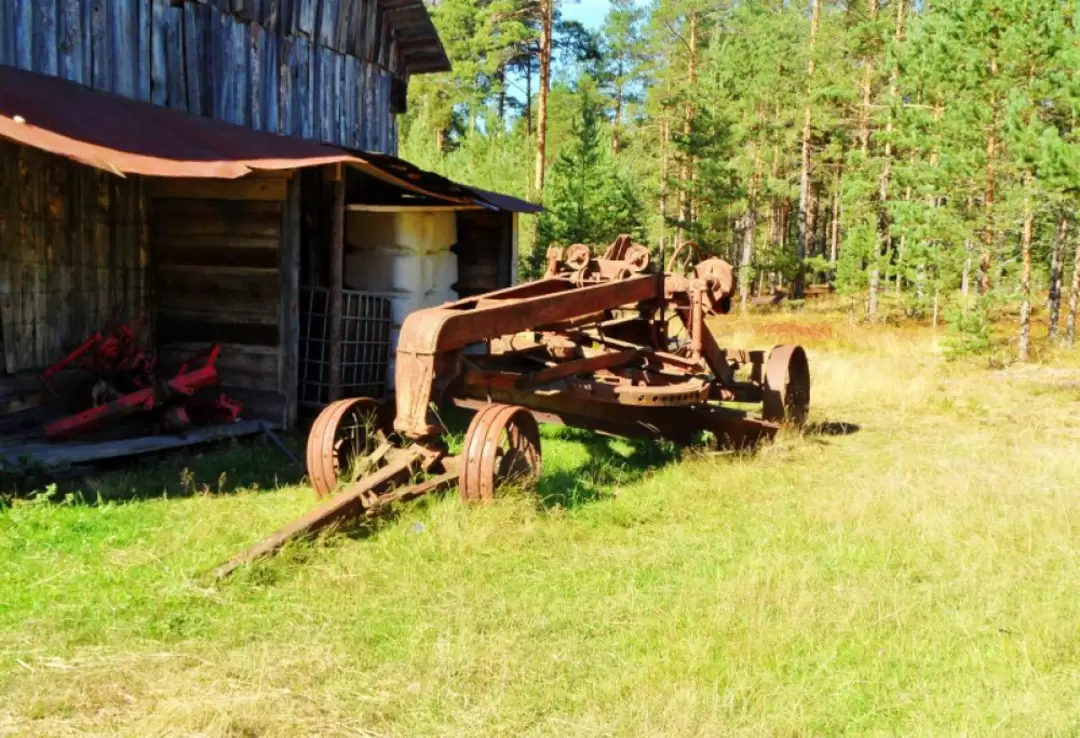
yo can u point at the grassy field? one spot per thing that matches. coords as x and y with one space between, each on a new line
920 575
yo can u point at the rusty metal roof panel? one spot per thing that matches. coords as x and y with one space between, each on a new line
508 203
125 136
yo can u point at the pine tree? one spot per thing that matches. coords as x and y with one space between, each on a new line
587 201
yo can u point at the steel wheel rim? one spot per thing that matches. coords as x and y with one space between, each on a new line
341 432
787 385
502 446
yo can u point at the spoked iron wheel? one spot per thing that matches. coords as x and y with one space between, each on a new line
502 446
787 385
344 433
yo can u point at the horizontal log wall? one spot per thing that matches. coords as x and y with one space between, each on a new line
73 254
218 278
320 69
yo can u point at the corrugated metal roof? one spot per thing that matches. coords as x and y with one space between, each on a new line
506 202
126 136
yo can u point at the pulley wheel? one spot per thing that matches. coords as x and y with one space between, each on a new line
638 257
787 386
721 278
344 431
578 256
502 446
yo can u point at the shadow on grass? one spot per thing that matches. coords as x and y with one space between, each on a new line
831 428
237 465
607 464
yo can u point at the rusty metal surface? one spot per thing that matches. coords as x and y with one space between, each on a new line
349 504
343 431
787 385
587 346
502 446
125 136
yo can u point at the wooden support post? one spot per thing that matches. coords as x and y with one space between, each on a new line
337 269
289 318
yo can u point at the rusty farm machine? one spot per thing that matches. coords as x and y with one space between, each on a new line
609 344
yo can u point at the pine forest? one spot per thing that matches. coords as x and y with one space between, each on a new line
919 159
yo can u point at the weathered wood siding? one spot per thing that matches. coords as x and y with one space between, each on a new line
73 254
320 69
217 277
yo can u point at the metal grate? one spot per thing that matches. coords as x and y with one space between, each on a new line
365 345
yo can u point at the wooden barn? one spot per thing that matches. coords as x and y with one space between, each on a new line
227 169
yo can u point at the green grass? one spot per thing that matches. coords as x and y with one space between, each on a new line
916 576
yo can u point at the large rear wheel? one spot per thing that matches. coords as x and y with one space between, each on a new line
787 386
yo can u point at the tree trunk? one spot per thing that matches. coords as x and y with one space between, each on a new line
528 96
665 140
1057 267
501 77
547 10
867 90
988 197
1025 279
884 229
874 279
965 276
1074 297
748 223
834 246
872 293
898 283
686 206
776 216
616 123
749 231
804 184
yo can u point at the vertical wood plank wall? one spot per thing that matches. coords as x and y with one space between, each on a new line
73 254
218 267
319 69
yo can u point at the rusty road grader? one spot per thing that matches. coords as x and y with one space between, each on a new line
608 344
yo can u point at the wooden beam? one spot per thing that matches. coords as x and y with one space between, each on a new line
289 326
245 188
62 454
337 269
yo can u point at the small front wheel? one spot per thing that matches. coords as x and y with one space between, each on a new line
502 446
344 432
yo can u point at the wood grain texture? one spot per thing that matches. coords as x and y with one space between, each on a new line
246 188
175 66
159 66
70 253
197 61
295 67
